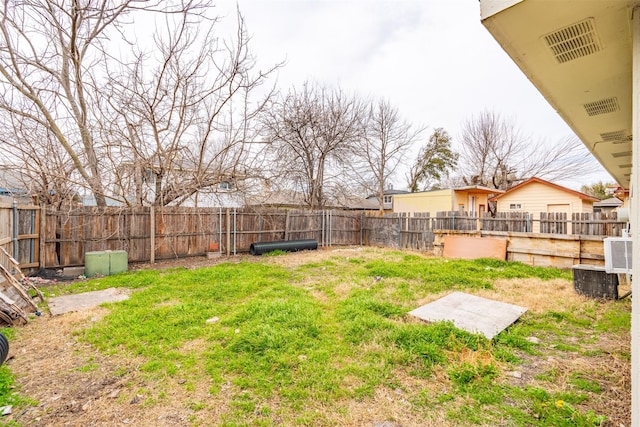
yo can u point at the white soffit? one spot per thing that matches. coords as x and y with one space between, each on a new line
578 55
491 7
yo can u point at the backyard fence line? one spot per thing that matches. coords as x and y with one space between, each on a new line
56 238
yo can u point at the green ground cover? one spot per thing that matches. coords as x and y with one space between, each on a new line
278 340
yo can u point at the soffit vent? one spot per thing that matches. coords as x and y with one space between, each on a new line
621 154
574 41
603 106
627 166
616 137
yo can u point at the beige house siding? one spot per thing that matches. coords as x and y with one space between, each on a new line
537 197
439 201
463 198
587 206
427 201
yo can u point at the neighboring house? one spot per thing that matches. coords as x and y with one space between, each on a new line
607 205
290 199
472 199
137 182
536 195
13 185
387 200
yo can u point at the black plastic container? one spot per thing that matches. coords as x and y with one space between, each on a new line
595 282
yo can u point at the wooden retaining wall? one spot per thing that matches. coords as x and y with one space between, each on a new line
562 251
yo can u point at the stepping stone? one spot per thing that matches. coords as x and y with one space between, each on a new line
471 313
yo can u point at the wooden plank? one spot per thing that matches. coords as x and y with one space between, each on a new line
474 247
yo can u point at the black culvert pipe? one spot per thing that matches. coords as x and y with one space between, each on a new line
4 348
260 248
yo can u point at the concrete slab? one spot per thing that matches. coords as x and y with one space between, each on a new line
471 313
73 271
77 302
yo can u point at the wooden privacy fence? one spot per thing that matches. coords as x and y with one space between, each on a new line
455 220
553 222
587 223
399 231
597 224
20 234
44 237
149 233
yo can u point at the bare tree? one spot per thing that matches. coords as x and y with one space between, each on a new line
174 116
182 127
434 162
312 132
381 150
36 163
495 154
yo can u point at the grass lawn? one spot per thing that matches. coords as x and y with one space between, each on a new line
322 339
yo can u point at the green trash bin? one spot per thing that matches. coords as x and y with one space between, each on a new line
118 262
105 263
96 264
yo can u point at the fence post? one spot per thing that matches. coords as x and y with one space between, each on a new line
362 228
15 229
41 234
287 224
220 230
228 221
399 232
322 228
152 234
330 213
235 231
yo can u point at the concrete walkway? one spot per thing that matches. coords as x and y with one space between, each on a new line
77 302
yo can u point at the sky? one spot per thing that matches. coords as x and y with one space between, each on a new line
432 59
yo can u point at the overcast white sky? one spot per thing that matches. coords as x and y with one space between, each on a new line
432 59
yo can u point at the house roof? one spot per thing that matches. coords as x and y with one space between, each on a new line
479 189
578 54
295 199
612 202
390 192
582 196
470 188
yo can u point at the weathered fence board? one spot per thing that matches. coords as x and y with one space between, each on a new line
553 222
455 220
67 234
507 221
597 224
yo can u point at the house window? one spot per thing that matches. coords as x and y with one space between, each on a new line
387 199
515 206
225 185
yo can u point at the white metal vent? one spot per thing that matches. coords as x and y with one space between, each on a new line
574 41
617 255
617 137
603 106
621 154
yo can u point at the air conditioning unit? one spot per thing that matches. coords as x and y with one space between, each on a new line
617 254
